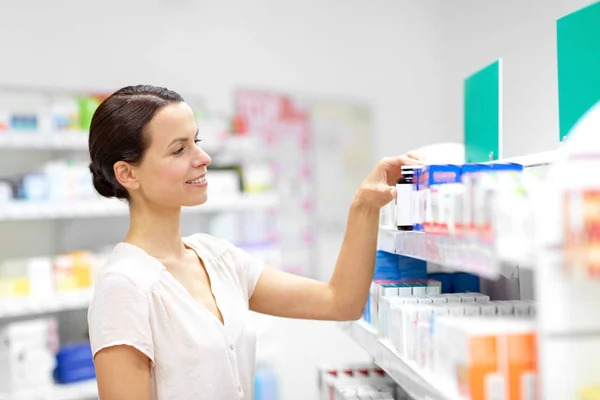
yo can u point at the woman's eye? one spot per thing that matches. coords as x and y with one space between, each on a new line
179 151
197 141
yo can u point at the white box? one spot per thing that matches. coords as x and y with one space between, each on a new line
419 290
504 308
466 297
488 309
456 309
472 310
408 315
521 308
452 297
396 323
26 358
480 297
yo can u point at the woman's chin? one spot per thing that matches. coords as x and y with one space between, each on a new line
196 202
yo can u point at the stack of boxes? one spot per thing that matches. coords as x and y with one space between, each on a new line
478 347
357 382
27 351
31 358
460 200
444 328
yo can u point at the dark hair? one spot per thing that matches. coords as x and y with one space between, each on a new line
117 132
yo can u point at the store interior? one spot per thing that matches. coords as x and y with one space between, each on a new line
296 102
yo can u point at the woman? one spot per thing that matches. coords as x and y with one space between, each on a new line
168 316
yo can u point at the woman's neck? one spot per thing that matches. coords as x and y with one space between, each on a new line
156 231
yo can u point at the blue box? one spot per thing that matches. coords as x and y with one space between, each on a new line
464 282
506 167
386 266
411 268
74 363
447 280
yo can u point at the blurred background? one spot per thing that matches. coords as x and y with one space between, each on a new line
295 101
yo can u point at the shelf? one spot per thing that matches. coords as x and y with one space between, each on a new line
534 160
44 141
21 210
235 145
73 391
452 252
11 308
418 385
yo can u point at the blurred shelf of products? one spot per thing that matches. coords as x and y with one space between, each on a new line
38 122
47 284
426 323
34 366
44 179
15 210
357 382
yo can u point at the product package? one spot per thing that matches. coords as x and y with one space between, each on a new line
440 181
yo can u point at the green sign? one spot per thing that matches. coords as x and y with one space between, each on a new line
578 50
482 120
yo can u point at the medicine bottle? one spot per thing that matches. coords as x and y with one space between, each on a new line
404 189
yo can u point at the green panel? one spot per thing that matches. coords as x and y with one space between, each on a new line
578 48
482 114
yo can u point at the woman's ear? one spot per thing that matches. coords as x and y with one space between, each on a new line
125 175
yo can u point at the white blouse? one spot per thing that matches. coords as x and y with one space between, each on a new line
137 302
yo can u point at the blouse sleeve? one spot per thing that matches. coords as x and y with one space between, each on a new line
249 268
119 315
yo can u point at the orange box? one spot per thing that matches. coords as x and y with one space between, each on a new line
496 359
521 369
480 368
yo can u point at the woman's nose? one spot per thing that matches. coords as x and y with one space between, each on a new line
201 158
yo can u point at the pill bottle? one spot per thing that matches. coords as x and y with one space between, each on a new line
404 192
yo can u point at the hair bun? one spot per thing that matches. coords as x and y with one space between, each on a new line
101 184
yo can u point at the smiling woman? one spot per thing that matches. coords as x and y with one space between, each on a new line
140 161
169 315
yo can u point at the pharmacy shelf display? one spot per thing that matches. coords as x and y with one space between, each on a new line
86 390
418 384
44 141
25 210
234 145
20 307
403 322
452 252
485 257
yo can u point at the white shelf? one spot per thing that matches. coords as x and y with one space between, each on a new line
237 146
452 252
534 160
44 141
419 385
20 210
10 308
73 391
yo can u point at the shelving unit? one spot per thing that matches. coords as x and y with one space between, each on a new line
86 390
44 141
452 252
464 254
21 210
241 146
419 385
21 307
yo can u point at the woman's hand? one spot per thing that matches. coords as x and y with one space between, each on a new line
379 188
